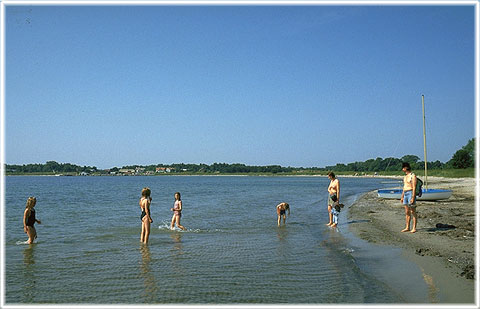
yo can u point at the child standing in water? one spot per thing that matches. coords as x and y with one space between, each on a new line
281 208
177 212
335 212
29 219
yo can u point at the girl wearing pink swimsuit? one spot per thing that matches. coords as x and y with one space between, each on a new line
177 212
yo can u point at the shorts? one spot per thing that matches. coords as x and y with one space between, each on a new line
408 199
330 200
282 212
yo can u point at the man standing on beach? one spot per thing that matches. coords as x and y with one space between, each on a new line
408 197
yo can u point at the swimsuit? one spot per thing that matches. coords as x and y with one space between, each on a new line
282 212
176 209
31 218
144 213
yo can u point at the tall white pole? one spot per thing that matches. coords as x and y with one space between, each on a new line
424 142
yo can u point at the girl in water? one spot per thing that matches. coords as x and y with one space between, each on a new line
29 219
177 212
333 196
145 217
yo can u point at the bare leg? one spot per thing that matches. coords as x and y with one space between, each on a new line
407 220
142 234
32 234
173 223
414 219
147 230
330 216
334 221
178 223
284 217
278 220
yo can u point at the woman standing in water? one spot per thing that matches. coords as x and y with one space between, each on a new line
333 196
145 202
29 219
177 212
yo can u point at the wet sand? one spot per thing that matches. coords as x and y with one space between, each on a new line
445 255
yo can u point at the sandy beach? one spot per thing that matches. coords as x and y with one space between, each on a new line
445 254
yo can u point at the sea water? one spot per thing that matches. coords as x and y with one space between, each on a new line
88 249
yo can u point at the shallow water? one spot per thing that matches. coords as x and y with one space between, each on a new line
88 248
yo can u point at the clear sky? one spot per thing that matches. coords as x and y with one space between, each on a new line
290 85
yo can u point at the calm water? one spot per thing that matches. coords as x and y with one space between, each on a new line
88 248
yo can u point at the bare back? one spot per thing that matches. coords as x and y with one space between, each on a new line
145 203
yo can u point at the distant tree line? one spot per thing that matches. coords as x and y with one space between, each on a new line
50 167
387 164
463 158
219 168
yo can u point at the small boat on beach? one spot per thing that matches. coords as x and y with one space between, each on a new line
427 194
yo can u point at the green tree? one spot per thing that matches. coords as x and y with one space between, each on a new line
51 166
464 157
461 159
470 147
412 159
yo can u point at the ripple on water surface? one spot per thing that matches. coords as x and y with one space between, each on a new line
232 251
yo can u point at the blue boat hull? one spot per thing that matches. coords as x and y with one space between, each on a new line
427 195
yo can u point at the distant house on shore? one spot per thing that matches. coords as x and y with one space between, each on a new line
126 171
164 169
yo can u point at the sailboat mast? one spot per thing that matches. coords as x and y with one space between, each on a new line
424 142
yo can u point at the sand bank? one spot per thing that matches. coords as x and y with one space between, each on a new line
446 256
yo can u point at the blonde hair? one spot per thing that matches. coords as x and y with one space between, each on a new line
146 192
31 201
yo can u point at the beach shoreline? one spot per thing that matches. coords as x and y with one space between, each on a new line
446 256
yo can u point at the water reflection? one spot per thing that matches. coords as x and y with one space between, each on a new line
282 233
150 284
432 289
177 243
29 277
333 239
283 247
179 277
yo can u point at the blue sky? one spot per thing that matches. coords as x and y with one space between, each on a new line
290 85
